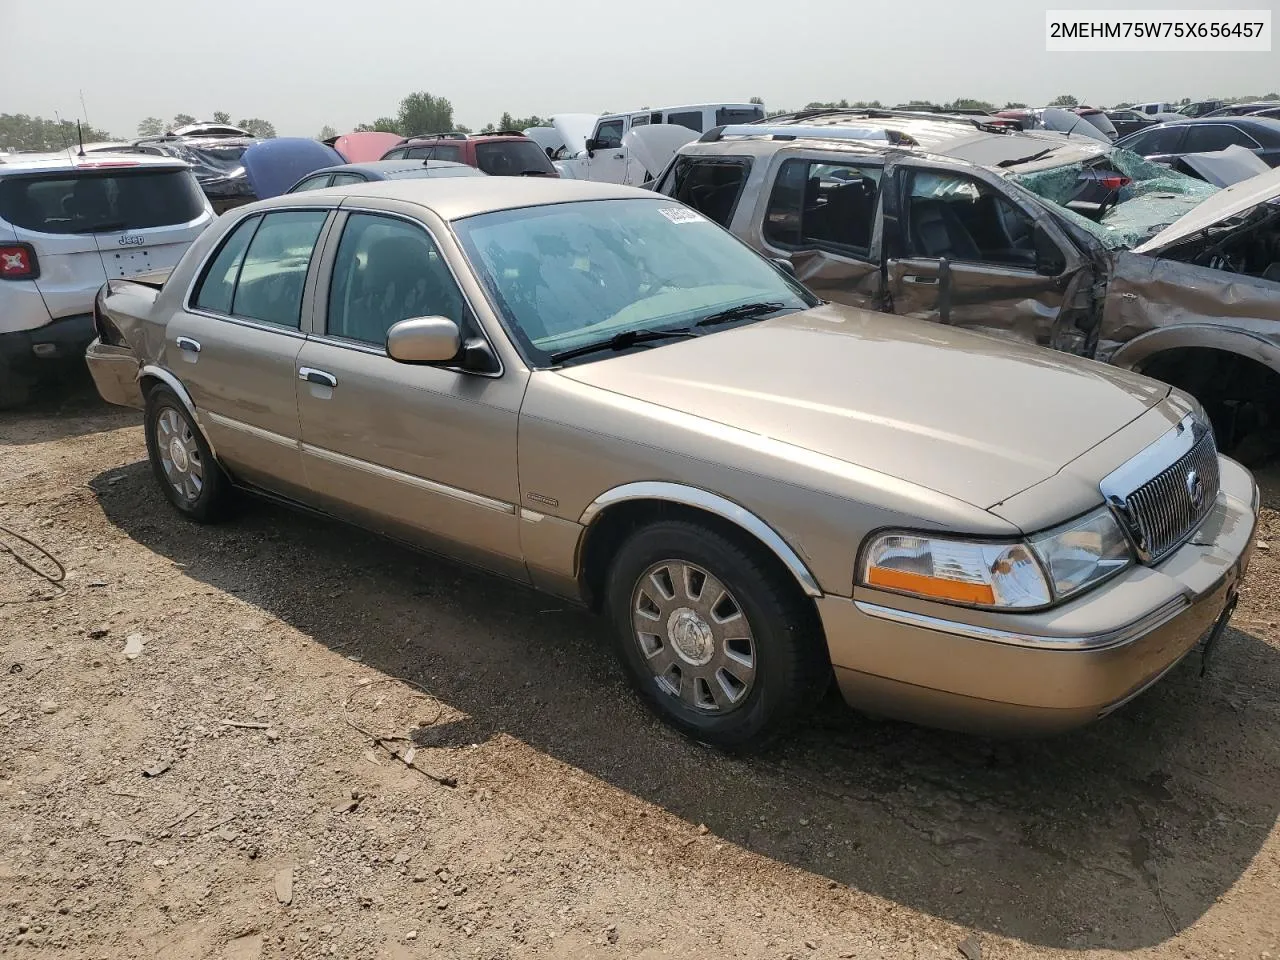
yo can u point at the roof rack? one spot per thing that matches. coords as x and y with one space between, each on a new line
803 132
875 113
452 135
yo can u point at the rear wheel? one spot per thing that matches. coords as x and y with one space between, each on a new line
714 638
181 460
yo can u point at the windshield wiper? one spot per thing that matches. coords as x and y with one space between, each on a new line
535 173
1014 161
108 227
743 311
621 341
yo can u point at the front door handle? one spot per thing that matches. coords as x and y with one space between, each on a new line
312 375
916 278
186 343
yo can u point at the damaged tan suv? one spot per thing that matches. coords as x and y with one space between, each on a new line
1049 238
599 392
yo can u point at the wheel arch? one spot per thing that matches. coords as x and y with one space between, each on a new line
150 375
1139 351
613 515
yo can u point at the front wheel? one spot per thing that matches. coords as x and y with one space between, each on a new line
181 460
712 635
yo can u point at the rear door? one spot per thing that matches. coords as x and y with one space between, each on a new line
961 249
235 344
822 214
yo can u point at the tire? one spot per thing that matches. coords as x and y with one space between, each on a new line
181 460
725 689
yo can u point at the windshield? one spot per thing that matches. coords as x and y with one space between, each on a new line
1153 197
95 202
573 274
512 158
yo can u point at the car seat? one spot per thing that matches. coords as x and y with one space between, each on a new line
401 280
937 232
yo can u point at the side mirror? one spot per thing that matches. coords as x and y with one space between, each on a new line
1049 259
785 265
424 340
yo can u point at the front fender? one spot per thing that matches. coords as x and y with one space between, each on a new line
1134 354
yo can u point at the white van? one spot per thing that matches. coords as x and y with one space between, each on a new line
593 145
67 225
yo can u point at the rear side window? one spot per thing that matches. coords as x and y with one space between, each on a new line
312 183
711 186
387 270
511 158
1160 139
1204 137
446 151
218 285
728 115
269 283
691 119
824 205
397 153
100 202
343 179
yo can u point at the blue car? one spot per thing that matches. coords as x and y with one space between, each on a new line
349 173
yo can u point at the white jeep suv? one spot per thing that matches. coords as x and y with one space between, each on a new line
67 225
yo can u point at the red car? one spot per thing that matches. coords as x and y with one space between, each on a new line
499 154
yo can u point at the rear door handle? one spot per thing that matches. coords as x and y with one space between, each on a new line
312 375
186 343
916 278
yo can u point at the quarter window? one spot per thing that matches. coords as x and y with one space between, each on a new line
691 119
825 205
218 285
958 218
711 186
312 183
387 270
343 179
274 272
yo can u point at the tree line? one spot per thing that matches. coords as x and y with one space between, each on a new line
19 131
155 127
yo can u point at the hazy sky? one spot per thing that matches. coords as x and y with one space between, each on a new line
339 62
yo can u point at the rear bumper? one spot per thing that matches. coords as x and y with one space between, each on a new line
115 374
1034 674
62 339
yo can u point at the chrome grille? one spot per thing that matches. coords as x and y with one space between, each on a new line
1161 513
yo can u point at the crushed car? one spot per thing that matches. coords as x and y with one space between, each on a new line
1042 236
216 161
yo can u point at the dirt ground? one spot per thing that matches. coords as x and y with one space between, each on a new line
136 821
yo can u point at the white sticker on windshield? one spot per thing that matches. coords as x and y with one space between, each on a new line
681 215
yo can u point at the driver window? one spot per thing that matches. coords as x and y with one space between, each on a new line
957 218
387 270
609 135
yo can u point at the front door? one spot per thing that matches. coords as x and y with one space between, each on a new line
608 162
235 344
423 452
963 252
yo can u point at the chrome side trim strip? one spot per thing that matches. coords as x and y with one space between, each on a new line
712 503
386 473
253 431
1112 638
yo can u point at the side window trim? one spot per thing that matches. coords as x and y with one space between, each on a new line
324 279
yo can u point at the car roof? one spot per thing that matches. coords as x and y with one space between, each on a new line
953 138
389 168
62 163
453 198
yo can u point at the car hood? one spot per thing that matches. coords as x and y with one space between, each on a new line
966 415
1224 167
574 129
653 145
1232 201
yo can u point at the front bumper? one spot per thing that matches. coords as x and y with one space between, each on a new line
115 374
1014 674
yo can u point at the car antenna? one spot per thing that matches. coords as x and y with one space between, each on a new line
62 133
80 137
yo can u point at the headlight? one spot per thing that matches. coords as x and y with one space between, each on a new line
1047 567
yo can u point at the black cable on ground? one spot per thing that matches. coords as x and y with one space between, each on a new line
54 580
